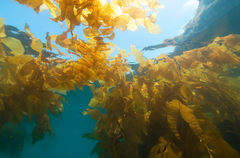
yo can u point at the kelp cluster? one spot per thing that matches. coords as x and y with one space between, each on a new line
169 110
123 15
30 86
166 111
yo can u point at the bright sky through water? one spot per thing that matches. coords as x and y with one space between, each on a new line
171 20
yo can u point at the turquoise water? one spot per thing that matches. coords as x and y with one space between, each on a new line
68 141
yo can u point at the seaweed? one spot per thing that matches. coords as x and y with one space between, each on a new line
170 109
163 112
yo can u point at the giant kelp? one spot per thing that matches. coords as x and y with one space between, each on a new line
169 110
29 85
163 112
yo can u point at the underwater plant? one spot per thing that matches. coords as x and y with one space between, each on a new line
29 85
170 109
162 112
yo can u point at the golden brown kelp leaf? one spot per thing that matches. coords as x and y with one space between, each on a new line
172 110
48 43
107 31
135 12
2 30
43 126
220 55
2 53
111 37
55 11
37 45
14 44
196 148
153 17
165 68
121 21
55 106
27 30
190 141
111 127
138 55
201 150
231 80
71 13
164 149
2 107
188 95
232 42
62 40
220 148
139 101
143 120
93 103
171 151
185 62
188 116
131 130
91 33
94 113
152 27
96 134
160 146
217 147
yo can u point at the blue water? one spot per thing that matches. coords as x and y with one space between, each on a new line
67 142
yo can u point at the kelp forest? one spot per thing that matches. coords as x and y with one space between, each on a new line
180 107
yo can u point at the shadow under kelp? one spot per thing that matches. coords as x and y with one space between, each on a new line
12 140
